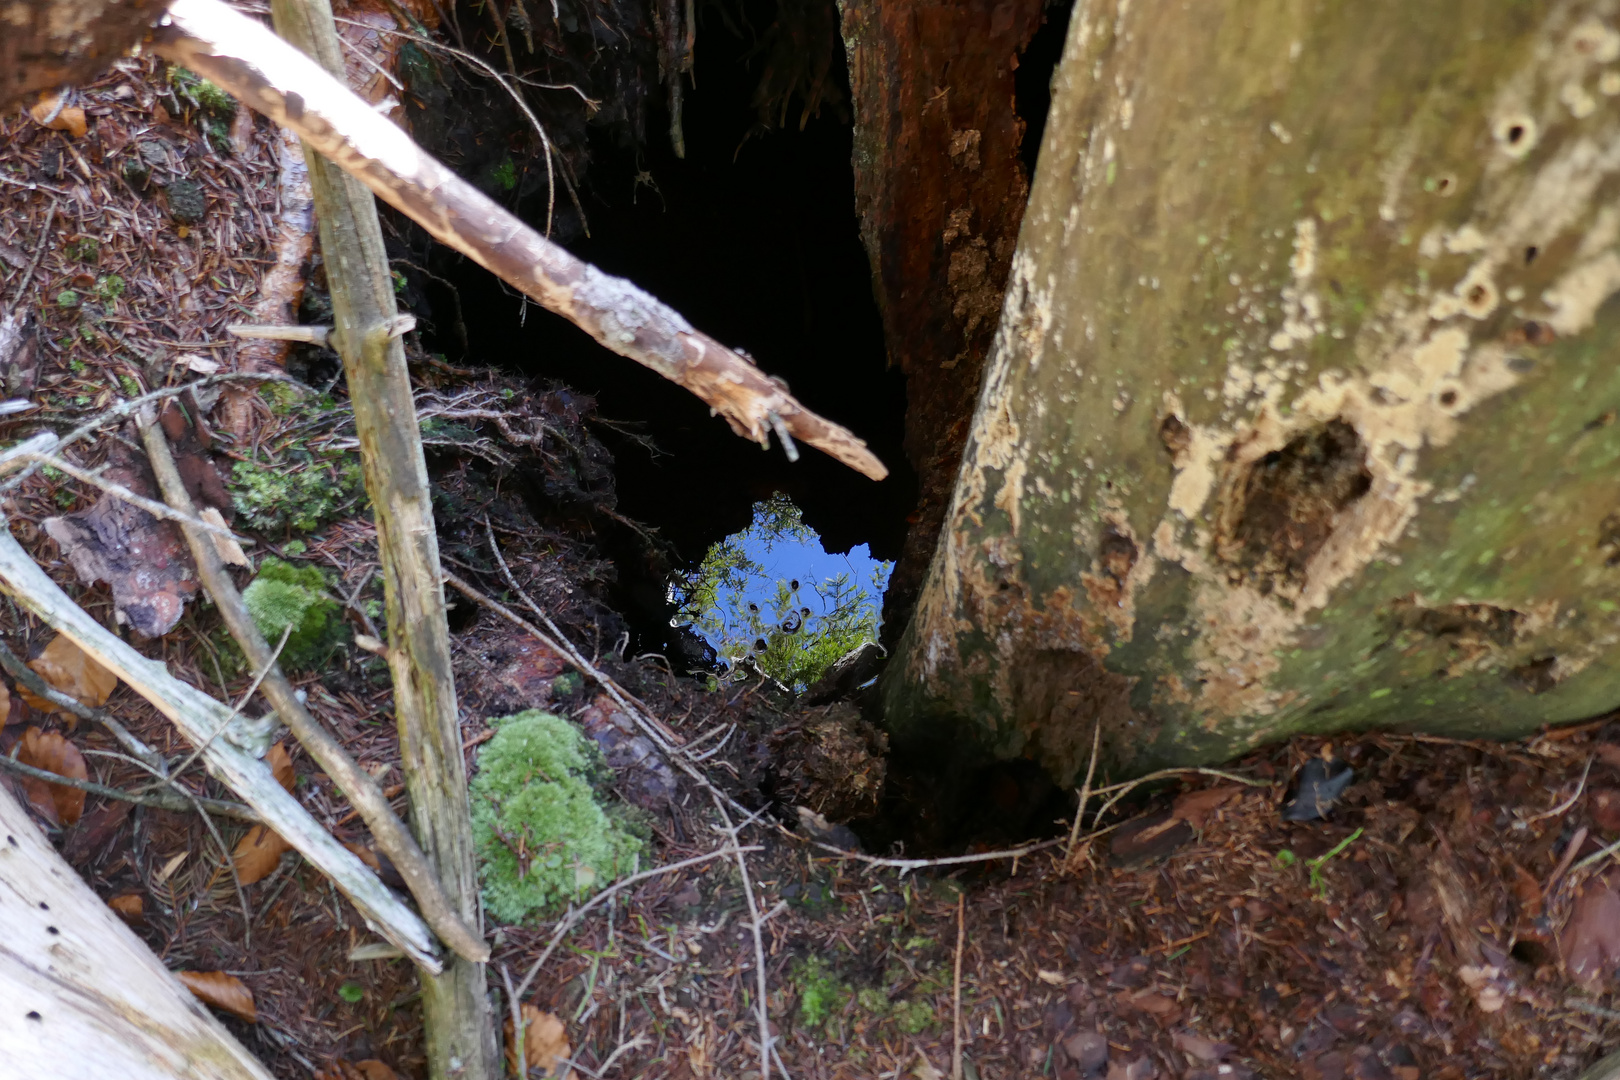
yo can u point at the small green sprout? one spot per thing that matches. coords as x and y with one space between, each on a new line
352 992
1317 863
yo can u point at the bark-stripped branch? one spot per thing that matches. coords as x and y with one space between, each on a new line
196 714
361 790
267 74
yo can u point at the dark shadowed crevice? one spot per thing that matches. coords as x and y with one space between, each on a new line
753 238
1277 512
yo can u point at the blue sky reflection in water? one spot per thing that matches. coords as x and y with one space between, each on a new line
772 592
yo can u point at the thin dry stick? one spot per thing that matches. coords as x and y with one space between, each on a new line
236 710
577 915
119 491
665 738
1598 856
273 78
39 253
1085 791
1569 802
761 1009
956 991
518 1026
154 800
1123 789
359 786
29 678
128 408
905 866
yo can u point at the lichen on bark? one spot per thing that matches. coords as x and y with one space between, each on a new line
1300 416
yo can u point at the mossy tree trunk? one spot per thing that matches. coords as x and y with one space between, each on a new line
1300 416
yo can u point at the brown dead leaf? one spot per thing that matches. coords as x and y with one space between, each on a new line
5 705
258 853
130 907
1149 1001
69 669
48 750
95 831
1605 807
1194 807
365 855
224 992
1206 1050
280 762
49 112
544 1042
142 559
1590 942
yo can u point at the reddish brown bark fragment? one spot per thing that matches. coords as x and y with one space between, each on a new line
940 190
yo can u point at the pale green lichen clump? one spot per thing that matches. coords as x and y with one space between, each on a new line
541 835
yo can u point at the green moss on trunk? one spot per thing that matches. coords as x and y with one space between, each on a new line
1301 412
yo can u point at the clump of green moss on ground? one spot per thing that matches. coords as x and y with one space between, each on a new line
542 835
823 997
277 498
284 595
296 489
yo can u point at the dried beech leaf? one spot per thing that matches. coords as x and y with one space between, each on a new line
222 991
48 750
69 669
1590 942
544 1042
280 762
258 853
130 907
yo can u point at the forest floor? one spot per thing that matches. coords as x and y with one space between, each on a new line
1454 915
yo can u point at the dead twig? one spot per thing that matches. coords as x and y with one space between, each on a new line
1569 802
359 786
761 1002
1085 790
29 678
577 915
39 253
271 76
908 865
125 409
119 491
153 800
1120 790
956 990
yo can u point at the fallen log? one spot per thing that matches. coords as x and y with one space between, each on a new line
272 77
80 995
198 717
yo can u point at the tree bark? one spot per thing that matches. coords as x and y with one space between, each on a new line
940 190
1300 415
50 43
